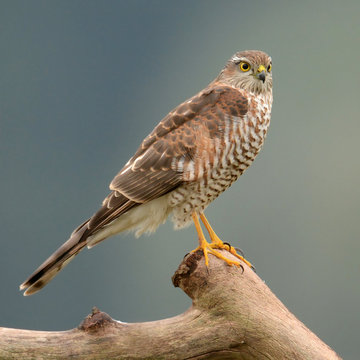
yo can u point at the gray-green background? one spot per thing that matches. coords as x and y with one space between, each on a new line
83 82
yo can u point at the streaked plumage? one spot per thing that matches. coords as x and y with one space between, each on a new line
195 153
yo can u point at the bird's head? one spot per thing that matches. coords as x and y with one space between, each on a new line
249 70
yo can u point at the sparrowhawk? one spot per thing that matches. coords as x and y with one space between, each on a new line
194 154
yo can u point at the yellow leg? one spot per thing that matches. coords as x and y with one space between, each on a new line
214 238
208 248
216 242
202 241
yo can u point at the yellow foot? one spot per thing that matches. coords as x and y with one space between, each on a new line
209 249
231 250
217 243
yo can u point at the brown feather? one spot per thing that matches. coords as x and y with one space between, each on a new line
181 139
57 261
78 240
150 172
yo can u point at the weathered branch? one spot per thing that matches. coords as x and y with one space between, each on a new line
234 315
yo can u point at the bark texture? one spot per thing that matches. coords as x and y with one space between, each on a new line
234 315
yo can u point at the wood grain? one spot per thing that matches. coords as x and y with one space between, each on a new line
234 315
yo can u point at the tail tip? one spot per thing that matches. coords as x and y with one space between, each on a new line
25 287
29 289
22 287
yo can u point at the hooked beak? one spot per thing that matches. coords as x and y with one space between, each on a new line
261 73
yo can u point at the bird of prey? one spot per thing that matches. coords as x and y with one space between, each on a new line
194 154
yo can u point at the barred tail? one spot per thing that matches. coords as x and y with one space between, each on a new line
57 261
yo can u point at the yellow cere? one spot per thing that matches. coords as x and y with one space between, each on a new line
261 68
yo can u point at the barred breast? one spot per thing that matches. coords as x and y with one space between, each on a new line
194 153
241 140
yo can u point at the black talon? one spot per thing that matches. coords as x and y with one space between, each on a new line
240 251
186 255
242 268
253 268
226 243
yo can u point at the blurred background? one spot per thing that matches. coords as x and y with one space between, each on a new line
83 82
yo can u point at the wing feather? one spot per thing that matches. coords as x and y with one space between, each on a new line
181 141
151 172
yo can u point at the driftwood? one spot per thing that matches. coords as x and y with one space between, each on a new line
234 315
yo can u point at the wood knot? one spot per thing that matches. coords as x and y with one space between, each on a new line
187 267
95 321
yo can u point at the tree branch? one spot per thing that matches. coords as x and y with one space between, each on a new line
234 315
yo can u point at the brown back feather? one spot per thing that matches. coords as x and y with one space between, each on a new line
150 172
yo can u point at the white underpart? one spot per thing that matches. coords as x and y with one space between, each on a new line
236 150
143 218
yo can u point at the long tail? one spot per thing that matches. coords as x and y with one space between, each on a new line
114 205
57 261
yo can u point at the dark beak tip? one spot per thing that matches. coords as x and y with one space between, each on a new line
262 76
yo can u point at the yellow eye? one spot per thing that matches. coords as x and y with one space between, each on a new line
269 68
244 66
